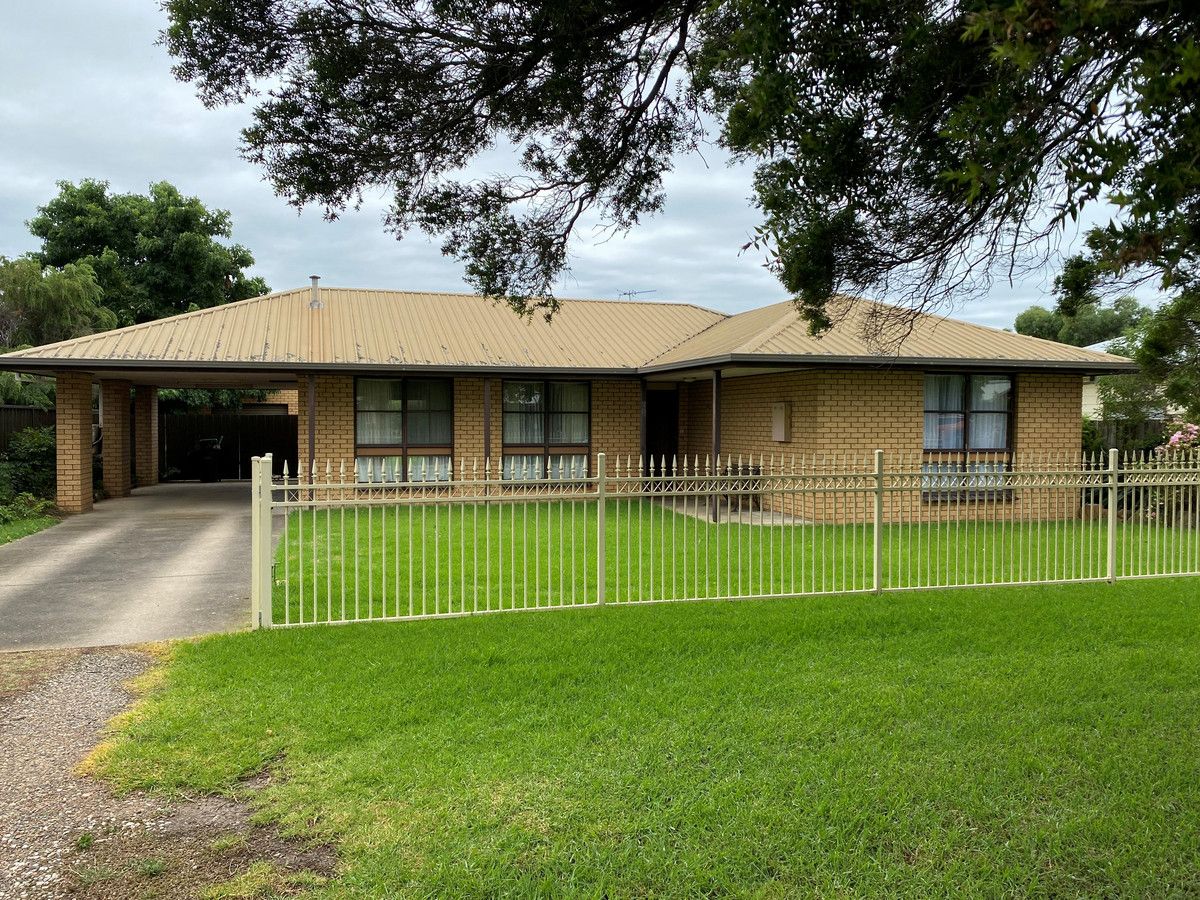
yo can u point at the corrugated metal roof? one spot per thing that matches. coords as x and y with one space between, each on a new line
395 328
778 332
398 329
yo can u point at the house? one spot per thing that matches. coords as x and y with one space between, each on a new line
403 385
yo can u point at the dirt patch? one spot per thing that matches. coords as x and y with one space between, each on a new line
20 671
66 835
203 847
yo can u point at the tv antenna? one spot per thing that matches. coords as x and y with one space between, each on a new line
629 295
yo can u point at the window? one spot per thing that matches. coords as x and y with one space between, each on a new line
546 424
429 468
968 435
524 412
379 412
393 416
378 469
967 412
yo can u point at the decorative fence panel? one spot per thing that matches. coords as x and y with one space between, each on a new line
478 538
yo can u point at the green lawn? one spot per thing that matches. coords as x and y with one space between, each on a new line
343 564
1005 741
10 531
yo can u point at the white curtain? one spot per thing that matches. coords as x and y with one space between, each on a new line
522 467
524 407
379 428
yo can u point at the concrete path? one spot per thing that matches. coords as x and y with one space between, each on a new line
169 561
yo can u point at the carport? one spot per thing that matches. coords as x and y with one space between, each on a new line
225 347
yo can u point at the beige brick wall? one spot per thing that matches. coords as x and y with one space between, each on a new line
114 430
334 419
145 430
290 396
616 421
73 431
839 418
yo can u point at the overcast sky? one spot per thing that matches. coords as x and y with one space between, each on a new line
87 94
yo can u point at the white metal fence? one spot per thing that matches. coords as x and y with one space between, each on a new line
329 549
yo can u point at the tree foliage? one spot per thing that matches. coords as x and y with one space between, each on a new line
1089 325
40 305
907 148
153 255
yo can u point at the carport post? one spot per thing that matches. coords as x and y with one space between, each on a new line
260 537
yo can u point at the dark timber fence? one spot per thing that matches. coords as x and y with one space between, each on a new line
17 418
196 445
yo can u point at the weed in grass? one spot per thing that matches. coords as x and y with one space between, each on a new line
228 842
262 879
151 867
85 841
91 875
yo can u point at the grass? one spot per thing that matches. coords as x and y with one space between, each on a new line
344 564
1020 741
11 531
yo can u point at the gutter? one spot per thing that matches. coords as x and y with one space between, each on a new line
42 365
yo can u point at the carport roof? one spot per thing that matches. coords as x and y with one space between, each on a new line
350 329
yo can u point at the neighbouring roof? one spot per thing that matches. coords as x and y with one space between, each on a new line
400 330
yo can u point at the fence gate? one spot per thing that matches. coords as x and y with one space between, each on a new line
482 538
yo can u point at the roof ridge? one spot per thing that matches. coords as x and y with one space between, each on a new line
772 330
477 296
724 317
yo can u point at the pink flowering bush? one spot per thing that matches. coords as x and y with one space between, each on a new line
1184 436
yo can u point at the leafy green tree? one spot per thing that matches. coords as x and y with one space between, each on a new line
40 305
154 255
904 148
1089 325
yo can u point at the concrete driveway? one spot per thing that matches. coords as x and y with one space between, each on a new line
168 561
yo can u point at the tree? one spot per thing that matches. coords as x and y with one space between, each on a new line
1089 325
153 255
40 305
906 148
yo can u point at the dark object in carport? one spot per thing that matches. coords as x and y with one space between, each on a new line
204 459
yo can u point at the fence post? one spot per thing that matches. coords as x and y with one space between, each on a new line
877 553
255 562
260 536
601 490
1114 460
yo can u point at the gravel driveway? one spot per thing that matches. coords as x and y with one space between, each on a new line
168 561
44 733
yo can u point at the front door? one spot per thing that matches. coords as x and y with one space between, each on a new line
662 426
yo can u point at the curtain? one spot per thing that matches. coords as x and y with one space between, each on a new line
522 467
989 431
524 405
430 428
568 466
429 468
377 469
379 428
943 431
378 394
943 392
989 393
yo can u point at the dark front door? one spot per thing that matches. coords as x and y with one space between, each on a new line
662 426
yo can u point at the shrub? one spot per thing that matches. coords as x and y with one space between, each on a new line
23 506
29 465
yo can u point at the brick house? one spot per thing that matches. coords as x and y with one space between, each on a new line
398 384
